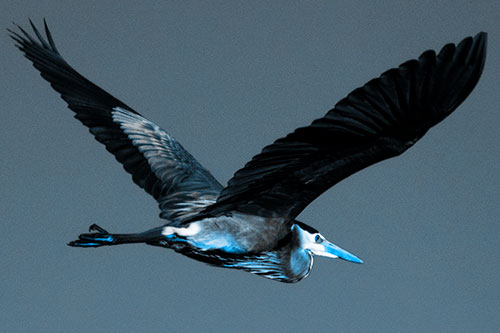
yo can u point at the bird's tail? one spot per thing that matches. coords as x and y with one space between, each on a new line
98 236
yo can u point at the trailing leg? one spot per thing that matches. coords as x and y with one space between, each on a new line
100 237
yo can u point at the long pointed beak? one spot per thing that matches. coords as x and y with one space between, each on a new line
337 252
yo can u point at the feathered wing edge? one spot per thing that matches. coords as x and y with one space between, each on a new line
382 119
265 264
156 161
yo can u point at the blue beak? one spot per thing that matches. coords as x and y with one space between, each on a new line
341 253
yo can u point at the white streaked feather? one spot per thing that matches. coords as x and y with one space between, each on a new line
172 165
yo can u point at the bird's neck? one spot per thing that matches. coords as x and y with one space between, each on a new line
300 262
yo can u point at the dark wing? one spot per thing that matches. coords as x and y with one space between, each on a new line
382 119
157 163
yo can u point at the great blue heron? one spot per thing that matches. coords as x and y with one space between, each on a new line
250 224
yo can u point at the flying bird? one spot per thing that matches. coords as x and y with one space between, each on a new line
250 224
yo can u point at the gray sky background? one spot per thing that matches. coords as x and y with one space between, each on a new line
227 78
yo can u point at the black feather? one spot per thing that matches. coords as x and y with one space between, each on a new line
382 119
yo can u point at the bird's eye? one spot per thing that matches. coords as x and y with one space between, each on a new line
318 239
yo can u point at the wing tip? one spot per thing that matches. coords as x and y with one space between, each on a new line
27 41
480 45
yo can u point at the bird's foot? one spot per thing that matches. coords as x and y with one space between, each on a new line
94 239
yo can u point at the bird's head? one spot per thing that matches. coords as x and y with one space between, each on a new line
311 240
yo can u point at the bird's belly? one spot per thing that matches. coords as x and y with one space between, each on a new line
217 241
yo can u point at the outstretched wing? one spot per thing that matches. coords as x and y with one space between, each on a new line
156 161
382 119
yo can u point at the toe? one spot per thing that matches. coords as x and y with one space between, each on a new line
95 227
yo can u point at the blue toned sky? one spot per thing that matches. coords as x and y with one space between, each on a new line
227 78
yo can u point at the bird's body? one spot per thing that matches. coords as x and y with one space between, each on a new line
234 233
250 224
